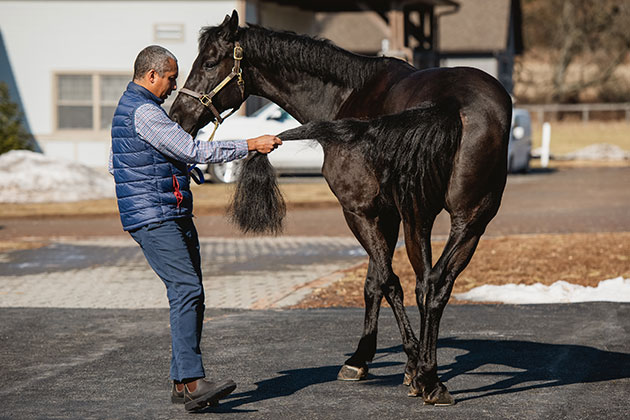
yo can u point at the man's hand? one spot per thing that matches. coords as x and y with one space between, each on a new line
263 144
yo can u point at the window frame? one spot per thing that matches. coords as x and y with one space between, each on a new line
96 102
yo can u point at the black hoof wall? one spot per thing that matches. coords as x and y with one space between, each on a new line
351 373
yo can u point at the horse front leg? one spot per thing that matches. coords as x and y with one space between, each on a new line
455 257
378 235
356 368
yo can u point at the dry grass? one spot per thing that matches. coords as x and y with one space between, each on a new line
579 258
569 136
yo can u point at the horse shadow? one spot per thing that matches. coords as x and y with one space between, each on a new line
521 366
525 365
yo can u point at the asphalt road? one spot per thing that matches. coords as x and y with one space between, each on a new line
499 361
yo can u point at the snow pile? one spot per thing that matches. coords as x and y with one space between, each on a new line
28 177
600 151
613 290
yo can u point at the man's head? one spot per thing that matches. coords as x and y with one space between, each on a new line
156 70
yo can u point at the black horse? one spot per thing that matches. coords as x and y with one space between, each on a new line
449 153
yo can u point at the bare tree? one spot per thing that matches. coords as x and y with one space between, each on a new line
587 38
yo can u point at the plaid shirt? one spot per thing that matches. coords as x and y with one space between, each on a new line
154 127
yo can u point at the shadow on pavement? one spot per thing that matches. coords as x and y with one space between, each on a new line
525 366
531 365
293 381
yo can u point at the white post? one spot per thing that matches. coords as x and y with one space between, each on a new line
546 141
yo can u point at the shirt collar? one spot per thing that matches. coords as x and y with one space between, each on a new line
134 87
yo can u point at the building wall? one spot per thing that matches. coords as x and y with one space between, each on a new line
45 38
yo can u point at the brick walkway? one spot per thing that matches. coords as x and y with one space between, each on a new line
253 273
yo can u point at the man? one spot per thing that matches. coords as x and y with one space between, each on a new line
149 160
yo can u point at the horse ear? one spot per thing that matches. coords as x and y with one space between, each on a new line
226 20
233 25
229 26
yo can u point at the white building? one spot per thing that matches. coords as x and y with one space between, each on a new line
68 62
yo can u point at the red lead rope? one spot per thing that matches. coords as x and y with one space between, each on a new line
178 195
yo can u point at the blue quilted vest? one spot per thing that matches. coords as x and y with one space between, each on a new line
150 187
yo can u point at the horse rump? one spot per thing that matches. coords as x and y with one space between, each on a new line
257 205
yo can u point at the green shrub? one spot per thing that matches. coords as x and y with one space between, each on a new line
13 135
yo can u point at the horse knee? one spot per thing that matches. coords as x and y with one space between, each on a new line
391 286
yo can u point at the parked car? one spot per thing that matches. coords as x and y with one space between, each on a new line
293 157
307 156
520 145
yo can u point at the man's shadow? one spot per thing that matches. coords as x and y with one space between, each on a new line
528 365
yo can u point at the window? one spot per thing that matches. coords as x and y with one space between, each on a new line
88 101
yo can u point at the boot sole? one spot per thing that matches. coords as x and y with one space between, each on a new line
210 398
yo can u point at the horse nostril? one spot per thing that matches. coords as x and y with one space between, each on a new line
175 118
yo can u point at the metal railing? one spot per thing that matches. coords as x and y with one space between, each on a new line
585 109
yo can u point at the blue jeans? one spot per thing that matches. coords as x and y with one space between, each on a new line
172 250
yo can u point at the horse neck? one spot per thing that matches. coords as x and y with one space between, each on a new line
307 100
311 79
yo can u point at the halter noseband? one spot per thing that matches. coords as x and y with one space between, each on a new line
206 98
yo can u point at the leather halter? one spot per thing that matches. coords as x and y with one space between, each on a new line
206 98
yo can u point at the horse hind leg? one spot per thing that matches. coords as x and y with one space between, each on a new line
378 235
466 229
418 245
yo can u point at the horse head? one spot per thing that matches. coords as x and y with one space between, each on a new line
215 82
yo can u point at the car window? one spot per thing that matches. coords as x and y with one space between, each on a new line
259 111
279 115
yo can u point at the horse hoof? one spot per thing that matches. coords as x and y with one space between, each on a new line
407 380
439 397
351 373
413 391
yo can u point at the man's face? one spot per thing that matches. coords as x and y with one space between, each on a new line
162 86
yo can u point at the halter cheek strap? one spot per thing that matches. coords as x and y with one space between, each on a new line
206 98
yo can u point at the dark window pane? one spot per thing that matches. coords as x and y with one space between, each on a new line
75 87
112 87
74 117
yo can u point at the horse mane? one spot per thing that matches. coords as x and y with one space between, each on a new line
415 147
286 51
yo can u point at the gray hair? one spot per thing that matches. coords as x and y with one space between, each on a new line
152 57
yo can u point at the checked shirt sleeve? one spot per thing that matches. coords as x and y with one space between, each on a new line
154 127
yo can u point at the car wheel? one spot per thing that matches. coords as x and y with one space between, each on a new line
225 173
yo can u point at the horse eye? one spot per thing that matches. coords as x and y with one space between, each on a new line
209 65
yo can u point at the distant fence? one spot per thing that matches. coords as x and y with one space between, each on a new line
584 109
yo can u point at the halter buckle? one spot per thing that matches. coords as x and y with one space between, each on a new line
238 52
205 100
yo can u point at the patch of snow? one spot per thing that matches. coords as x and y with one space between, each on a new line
612 290
29 177
599 151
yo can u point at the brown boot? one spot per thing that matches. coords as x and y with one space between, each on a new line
202 393
177 396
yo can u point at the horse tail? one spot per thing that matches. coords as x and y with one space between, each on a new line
345 130
257 205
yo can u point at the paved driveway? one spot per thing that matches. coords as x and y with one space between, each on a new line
499 362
